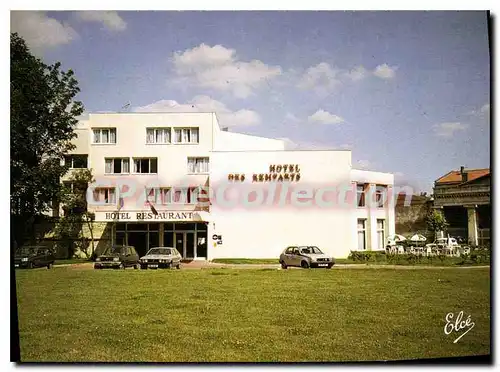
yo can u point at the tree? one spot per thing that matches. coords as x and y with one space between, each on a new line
436 221
43 116
73 198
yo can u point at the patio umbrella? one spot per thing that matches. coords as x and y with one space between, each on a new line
396 238
418 238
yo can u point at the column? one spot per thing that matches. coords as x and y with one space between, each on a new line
161 232
472 225
371 225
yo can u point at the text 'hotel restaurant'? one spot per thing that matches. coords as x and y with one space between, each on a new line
179 180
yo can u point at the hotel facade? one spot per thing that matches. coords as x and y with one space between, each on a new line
179 180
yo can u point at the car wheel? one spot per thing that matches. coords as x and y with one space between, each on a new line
122 266
30 265
304 265
178 266
50 265
137 266
283 265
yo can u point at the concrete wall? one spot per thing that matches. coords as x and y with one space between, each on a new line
411 219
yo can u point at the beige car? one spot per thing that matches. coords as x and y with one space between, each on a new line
305 256
161 258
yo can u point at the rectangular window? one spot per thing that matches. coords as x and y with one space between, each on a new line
158 135
117 165
185 195
76 161
105 195
380 196
360 193
146 165
361 234
198 165
159 195
186 135
381 233
104 135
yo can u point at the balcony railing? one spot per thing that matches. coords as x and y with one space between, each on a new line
461 190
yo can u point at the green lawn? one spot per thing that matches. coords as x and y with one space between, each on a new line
70 314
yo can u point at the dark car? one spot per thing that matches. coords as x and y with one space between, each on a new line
118 257
34 256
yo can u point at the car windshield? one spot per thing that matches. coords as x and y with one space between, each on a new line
114 250
26 250
310 250
165 251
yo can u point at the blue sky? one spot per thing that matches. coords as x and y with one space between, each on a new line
407 92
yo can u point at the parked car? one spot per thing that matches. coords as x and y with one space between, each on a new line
161 258
305 257
34 256
118 257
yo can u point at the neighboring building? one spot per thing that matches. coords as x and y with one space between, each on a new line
177 179
411 215
464 197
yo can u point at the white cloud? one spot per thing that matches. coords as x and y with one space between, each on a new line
39 30
385 71
448 129
485 109
399 174
227 117
218 68
357 73
322 77
291 118
305 145
364 164
346 146
324 117
110 19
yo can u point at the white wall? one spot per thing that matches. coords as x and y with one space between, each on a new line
371 212
266 230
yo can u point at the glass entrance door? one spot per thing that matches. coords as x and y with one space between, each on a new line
189 241
184 243
179 240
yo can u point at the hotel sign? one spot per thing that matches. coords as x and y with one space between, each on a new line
144 216
279 173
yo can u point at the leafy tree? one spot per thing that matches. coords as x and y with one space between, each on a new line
43 116
73 198
436 221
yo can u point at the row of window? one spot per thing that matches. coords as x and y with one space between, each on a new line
362 234
156 195
380 192
140 165
153 135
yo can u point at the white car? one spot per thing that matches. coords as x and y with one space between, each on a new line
305 256
161 258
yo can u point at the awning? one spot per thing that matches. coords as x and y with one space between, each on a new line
202 216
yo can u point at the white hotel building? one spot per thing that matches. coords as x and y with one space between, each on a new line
262 198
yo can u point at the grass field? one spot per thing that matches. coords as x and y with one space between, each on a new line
261 315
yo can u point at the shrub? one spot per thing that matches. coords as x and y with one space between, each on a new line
367 256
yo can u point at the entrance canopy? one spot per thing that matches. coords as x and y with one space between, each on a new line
201 216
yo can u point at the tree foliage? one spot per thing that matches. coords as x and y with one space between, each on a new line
73 198
43 116
436 221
